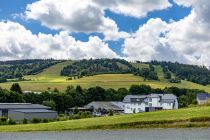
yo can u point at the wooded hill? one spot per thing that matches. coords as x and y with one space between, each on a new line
173 72
19 68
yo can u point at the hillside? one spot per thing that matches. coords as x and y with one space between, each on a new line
189 117
51 78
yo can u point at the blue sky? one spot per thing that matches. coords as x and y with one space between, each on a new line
77 29
125 23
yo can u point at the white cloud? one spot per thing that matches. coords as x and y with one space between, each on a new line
89 15
18 43
185 41
134 8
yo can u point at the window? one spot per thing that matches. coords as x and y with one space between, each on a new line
150 104
150 99
4 112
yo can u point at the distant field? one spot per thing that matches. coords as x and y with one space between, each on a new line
171 118
51 78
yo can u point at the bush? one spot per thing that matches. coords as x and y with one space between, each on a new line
36 120
11 122
3 119
111 113
25 121
45 120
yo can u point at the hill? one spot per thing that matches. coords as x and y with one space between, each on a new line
50 78
189 117
19 68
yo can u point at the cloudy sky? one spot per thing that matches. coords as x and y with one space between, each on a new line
170 30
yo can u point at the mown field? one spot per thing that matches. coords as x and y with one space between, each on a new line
50 78
188 117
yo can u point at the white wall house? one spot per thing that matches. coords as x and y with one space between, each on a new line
151 102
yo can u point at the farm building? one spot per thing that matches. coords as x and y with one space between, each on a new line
105 107
19 111
99 108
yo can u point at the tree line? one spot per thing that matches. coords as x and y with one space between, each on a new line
78 96
16 69
106 66
193 73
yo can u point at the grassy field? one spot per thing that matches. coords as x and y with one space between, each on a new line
171 118
50 78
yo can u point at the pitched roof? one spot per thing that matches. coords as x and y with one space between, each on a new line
103 105
203 96
22 106
129 98
34 111
140 98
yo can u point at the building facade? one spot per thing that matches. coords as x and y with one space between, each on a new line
148 103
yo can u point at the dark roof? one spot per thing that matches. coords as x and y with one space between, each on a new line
34 111
203 96
22 106
104 105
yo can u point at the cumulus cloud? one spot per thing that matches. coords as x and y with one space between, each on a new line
16 42
89 15
74 16
134 8
185 41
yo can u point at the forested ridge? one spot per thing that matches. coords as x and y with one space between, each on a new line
173 72
107 66
19 68
193 73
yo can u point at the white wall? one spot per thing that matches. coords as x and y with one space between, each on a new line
130 107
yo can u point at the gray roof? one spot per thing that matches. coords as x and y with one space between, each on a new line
129 98
169 96
203 96
104 105
22 106
140 98
34 111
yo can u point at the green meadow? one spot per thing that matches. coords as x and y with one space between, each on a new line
189 117
50 78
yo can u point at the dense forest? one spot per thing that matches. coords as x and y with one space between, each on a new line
193 73
77 96
18 68
107 66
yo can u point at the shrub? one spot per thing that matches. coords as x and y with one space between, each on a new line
111 113
11 122
3 119
25 121
36 120
45 120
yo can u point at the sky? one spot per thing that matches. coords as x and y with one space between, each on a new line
144 30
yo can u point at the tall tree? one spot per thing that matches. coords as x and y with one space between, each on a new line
16 88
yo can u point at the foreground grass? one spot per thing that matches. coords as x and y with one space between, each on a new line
153 119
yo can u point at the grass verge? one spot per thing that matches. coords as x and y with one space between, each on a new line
189 117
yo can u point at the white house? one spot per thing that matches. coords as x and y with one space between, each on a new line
151 102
